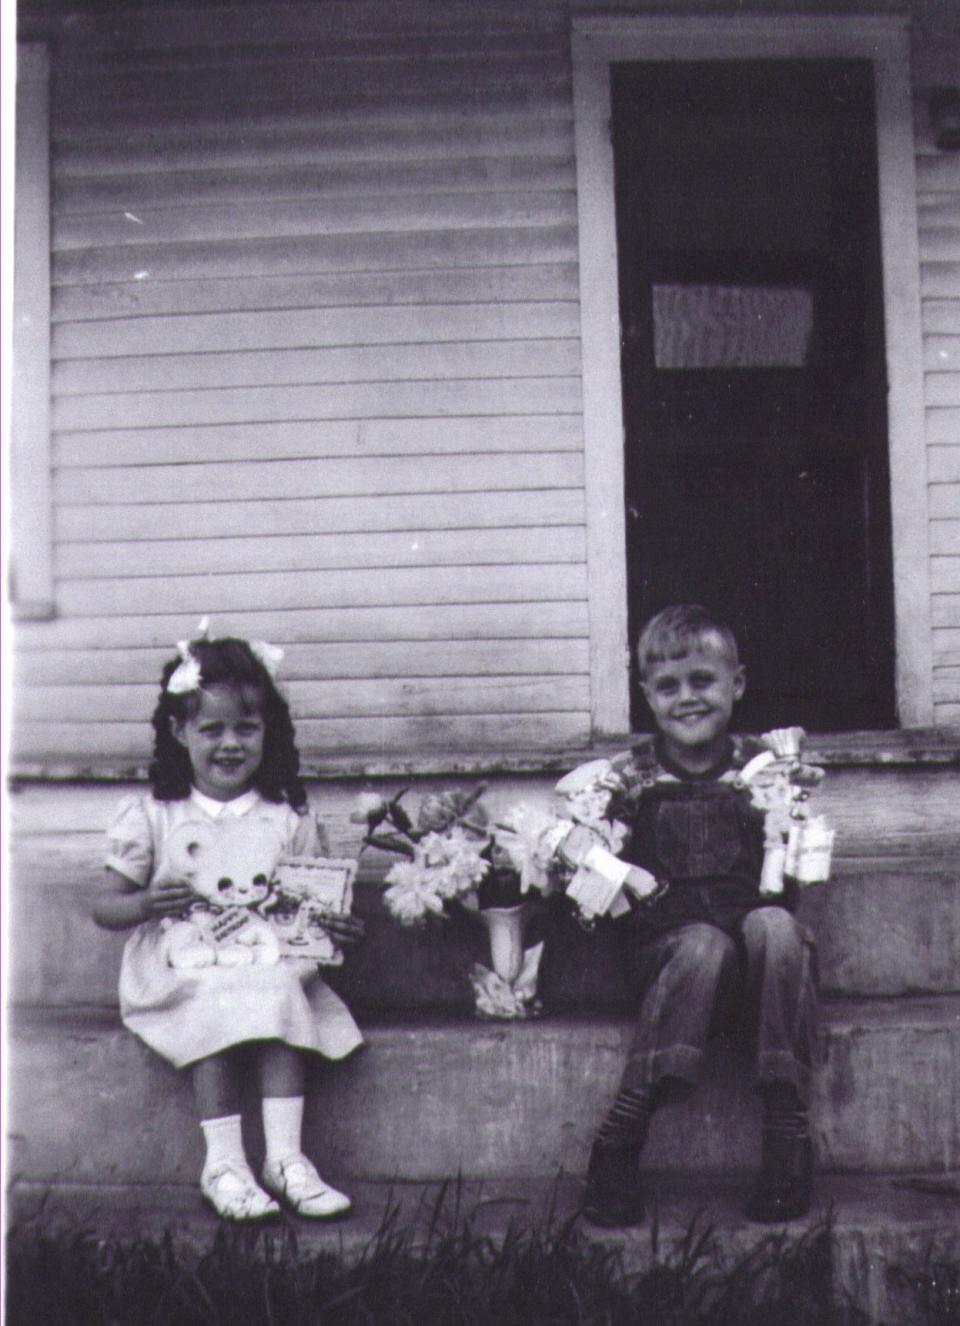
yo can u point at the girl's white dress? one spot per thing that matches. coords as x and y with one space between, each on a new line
187 1015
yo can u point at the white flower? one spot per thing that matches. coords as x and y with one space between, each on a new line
409 899
444 866
367 805
530 838
453 865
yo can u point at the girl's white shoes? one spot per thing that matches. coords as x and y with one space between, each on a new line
234 1193
298 1183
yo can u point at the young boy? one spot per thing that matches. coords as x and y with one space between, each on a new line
711 934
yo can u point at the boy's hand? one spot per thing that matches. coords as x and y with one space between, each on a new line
641 883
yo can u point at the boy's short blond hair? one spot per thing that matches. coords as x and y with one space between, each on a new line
677 631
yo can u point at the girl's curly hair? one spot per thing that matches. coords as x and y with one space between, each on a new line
227 662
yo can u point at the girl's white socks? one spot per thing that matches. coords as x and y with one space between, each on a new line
282 1126
224 1140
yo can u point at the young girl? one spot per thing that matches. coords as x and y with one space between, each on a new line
224 746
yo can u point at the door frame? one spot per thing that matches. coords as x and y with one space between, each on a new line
598 43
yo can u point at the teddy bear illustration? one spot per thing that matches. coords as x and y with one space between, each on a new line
230 864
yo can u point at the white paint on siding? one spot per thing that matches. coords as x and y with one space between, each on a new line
938 176
316 370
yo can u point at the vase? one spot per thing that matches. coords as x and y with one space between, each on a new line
505 929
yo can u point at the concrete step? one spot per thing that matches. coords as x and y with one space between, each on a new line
884 928
877 1222
429 1098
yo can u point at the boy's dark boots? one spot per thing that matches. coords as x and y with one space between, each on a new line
614 1198
784 1189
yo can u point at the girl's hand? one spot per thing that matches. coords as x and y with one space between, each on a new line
166 897
345 931
125 904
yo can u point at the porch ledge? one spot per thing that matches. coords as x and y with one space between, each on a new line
908 746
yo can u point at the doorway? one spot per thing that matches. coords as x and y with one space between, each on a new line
753 373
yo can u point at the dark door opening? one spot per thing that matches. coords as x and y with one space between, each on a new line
754 377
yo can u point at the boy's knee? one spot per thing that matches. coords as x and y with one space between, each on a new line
772 927
704 946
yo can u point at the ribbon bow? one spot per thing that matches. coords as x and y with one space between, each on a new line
186 676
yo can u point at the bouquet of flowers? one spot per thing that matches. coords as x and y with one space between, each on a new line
450 851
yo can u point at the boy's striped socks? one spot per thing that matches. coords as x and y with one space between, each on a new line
784 1114
628 1119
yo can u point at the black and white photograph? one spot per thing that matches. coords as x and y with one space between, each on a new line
481 662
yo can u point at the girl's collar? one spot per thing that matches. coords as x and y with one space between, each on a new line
237 807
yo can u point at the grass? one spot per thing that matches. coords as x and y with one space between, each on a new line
448 1274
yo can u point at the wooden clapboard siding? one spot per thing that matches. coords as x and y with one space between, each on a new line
329 328
946 684
945 574
324 477
942 388
949 646
316 371
224 331
945 536
944 500
381 363
563 621
944 467
395 212
940 279
946 610
938 179
167 27
542 282
82 196
452 397
943 425
379 658
516 246
325 552
405 511
941 353
203 593
327 437
941 316
299 140
208 92
172 76
352 698
85 743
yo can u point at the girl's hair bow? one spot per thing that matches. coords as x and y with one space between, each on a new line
186 676
270 656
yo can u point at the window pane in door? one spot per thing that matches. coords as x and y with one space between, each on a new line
731 326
